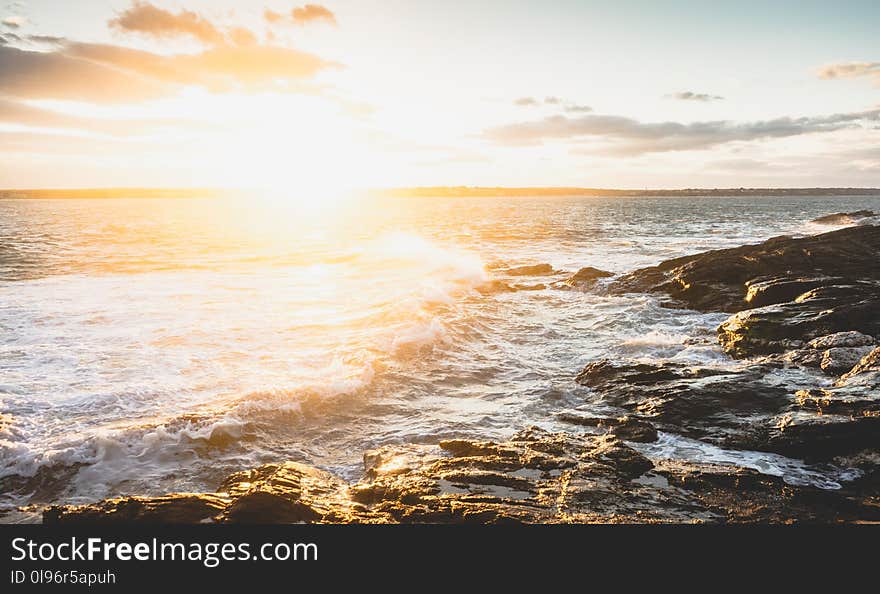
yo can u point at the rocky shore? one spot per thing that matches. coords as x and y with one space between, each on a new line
804 324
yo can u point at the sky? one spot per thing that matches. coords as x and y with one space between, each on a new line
368 93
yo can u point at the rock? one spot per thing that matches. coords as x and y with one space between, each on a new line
717 280
625 428
839 360
585 277
761 292
865 373
818 312
842 339
494 286
537 287
178 508
535 476
844 218
533 270
716 405
744 409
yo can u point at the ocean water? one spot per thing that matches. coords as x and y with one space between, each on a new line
149 346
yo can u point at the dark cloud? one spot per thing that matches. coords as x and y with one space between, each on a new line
851 70
312 13
691 96
628 137
525 101
144 18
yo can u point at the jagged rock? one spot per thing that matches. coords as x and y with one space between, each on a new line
716 280
839 360
834 353
842 340
535 476
762 291
716 405
585 277
844 218
818 312
178 508
865 373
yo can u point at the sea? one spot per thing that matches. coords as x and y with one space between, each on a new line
157 345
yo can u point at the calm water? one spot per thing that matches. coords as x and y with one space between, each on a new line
156 345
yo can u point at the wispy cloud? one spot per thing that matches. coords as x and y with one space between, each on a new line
526 102
301 15
691 96
14 22
628 137
851 70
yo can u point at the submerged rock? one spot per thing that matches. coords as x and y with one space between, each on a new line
584 278
844 218
532 270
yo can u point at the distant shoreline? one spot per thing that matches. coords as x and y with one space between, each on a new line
437 192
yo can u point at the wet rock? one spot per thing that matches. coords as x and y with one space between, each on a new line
746 408
818 312
532 270
716 405
584 278
494 286
537 287
834 353
839 360
865 373
535 476
179 508
763 291
625 428
844 218
717 280
842 340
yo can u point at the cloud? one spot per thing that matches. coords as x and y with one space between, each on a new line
103 73
525 101
629 137
851 70
691 96
56 75
14 22
312 13
272 17
552 100
578 108
15 112
143 17
222 68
